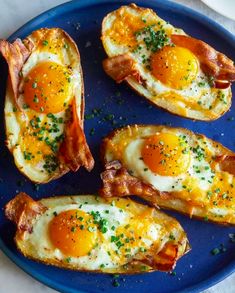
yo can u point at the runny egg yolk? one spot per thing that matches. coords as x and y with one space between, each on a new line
33 149
47 87
165 154
72 232
176 67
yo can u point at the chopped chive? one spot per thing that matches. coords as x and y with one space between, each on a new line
45 43
34 85
215 251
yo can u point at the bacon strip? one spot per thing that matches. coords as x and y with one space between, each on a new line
15 54
118 182
165 260
120 67
74 151
212 62
227 163
22 210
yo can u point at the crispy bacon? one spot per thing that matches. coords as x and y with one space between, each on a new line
22 210
227 163
221 84
165 260
74 151
212 62
15 54
120 67
118 182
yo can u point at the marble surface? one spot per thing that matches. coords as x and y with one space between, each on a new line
13 14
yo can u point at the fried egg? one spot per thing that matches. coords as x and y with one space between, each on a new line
90 233
44 105
173 74
173 168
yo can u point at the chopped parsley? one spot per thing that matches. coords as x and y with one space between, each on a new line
99 221
66 46
218 250
51 163
200 153
73 229
143 268
215 251
45 43
206 218
34 85
89 116
171 236
92 131
211 80
117 240
25 106
116 283
28 156
142 249
154 40
221 97
68 259
36 99
201 84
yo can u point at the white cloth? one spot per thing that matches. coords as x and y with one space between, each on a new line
13 14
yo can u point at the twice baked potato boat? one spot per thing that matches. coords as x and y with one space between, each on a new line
171 69
171 168
44 105
90 233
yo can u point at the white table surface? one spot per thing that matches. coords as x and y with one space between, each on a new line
13 14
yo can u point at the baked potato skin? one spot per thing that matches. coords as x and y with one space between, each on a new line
134 80
30 43
133 84
112 184
23 210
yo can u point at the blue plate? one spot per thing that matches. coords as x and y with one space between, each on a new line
82 20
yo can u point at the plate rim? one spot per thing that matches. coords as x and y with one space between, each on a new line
79 4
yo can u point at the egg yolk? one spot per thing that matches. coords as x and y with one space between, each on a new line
165 154
33 149
72 233
176 67
47 87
